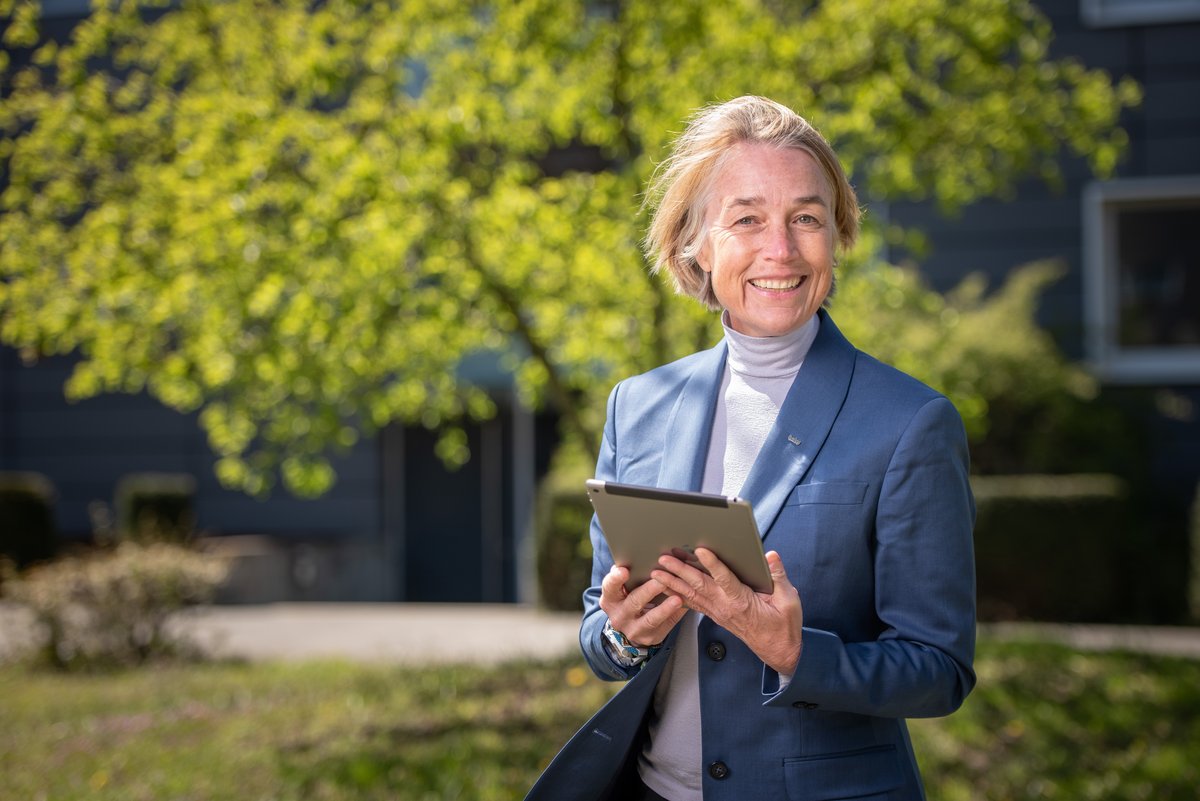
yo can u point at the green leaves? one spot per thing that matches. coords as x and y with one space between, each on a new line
300 219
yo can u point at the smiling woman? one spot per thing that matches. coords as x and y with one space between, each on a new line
768 239
857 475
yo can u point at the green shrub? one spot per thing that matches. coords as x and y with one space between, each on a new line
1054 548
27 533
155 507
111 607
1051 548
564 552
1025 407
1194 547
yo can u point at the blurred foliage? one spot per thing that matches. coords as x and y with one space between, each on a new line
298 217
1045 722
156 507
112 607
1194 551
27 531
564 545
1069 527
1025 407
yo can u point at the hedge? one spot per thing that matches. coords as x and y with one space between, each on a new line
27 530
1194 573
564 551
156 507
1053 548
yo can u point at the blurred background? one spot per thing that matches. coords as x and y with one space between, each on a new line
334 290
320 301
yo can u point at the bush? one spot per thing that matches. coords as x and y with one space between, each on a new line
1025 407
1054 548
564 551
111 607
1194 547
27 533
1051 548
154 507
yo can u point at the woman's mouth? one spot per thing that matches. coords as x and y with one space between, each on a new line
777 284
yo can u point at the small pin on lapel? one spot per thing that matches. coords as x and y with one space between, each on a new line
793 440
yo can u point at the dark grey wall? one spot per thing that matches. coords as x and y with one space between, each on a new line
1039 222
86 447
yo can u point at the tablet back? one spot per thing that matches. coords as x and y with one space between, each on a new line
642 523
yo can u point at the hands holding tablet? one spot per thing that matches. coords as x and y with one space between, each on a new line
636 613
769 623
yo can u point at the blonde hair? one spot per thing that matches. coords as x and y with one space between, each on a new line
678 191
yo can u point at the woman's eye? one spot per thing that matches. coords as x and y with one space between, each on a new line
806 219
745 221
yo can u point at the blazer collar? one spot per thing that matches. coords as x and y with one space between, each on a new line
690 424
807 415
803 424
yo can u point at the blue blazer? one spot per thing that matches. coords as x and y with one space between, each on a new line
861 486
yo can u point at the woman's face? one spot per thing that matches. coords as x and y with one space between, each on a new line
769 239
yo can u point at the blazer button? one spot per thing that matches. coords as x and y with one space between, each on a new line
716 651
718 770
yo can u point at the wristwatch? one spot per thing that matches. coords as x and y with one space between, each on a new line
622 650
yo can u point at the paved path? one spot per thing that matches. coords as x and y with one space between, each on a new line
398 633
475 633
1163 640
417 633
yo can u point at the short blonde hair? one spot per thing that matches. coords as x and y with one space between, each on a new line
679 189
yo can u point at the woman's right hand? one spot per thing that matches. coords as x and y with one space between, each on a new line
636 614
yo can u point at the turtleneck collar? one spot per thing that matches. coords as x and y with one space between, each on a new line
769 357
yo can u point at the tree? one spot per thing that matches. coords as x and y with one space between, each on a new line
299 217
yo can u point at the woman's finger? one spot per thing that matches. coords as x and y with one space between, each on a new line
721 574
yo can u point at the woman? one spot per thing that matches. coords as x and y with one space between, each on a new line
858 477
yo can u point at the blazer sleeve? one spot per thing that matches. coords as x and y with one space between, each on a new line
594 618
921 663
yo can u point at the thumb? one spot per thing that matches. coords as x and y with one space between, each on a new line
778 572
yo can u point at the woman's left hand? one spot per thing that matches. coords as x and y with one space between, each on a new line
770 624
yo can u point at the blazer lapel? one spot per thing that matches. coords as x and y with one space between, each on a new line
808 413
689 426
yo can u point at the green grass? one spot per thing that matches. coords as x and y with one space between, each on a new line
1045 723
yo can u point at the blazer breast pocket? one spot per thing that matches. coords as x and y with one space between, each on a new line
839 493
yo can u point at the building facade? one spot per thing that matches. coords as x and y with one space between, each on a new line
398 526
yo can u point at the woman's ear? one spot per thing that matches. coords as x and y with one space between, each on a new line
702 260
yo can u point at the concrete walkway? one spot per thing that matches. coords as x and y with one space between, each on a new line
481 634
395 633
1181 641
402 633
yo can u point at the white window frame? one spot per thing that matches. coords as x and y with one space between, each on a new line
1116 13
1111 361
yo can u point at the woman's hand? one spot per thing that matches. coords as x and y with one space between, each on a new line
636 614
770 625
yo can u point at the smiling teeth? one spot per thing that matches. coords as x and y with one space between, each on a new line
764 283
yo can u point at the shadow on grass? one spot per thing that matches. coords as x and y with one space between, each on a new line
483 738
1047 722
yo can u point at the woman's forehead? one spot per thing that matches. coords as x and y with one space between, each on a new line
753 173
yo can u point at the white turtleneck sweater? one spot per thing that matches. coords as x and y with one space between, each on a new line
759 371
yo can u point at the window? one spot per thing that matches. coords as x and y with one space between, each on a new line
1112 13
1142 279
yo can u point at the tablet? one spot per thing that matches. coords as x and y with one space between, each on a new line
642 523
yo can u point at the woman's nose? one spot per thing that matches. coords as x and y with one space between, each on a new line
780 242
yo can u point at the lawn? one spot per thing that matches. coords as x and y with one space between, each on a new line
1045 723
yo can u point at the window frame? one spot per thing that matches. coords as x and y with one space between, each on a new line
1111 361
1119 13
